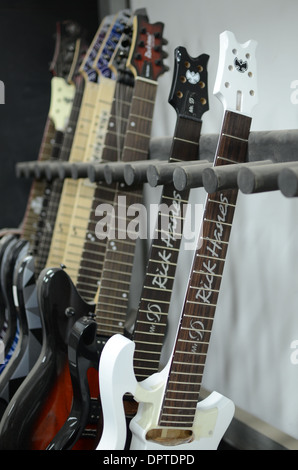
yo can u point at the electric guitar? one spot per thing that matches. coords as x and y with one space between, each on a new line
170 415
91 99
190 100
54 329
16 246
64 40
26 345
136 142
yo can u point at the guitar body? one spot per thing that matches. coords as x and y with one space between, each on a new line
84 349
37 410
11 257
30 330
4 242
116 377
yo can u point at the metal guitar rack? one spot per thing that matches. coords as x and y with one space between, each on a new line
272 165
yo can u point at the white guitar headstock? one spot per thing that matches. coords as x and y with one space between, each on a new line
236 81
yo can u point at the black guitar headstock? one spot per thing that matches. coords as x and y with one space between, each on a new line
189 91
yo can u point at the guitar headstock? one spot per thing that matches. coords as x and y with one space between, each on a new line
189 90
236 81
146 54
103 57
67 33
86 68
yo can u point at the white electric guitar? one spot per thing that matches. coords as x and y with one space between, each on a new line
170 414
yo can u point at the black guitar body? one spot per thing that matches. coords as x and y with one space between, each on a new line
11 257
5 241
60 306
28 346
84 349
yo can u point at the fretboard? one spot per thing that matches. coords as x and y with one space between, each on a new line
54 189
85 190
111 308
156 295
42 219
88 261
191 346
34 204
80 148
68 194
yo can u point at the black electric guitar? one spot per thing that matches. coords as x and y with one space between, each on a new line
26 346
16 248
33 392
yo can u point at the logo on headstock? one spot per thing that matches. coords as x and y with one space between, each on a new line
192 77
240 65
149 45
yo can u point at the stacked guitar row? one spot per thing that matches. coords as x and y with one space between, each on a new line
78 370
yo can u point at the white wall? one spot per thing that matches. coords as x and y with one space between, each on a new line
257 316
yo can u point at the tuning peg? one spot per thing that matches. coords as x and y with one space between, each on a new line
164 41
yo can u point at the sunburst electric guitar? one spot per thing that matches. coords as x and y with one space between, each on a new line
170 414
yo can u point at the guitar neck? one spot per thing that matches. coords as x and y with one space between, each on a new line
139 125
111 310
88 260
192 342
151 322
102 46
53 190
37 189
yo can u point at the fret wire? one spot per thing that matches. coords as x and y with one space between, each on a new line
142 322
146 366
118 252
177 234
150 333
191 341
111 305
120 317
203 288
132 149
171 197
213 240
149 342
218 222
207 273
200 255
235 137
222 202
149 311
140 117
180 139
158 289
116 280
144 351
165 247
118 262
156 300
176 423
164 276
112 271
226 159
145 100
199 303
